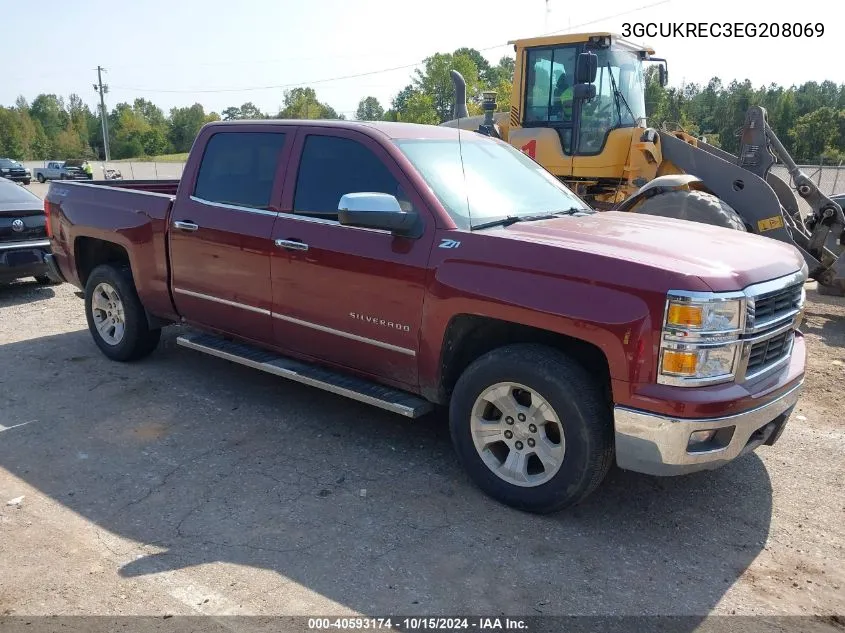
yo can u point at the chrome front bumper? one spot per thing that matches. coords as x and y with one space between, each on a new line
659 445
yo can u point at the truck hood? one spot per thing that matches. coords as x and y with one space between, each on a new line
724 259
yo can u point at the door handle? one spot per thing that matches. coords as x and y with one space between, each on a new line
292 245
185 226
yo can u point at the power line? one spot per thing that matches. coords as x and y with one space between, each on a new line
279 86
372 72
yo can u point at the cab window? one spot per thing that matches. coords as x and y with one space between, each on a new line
550 75
333 166
238 168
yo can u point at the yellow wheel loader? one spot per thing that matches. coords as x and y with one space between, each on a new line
578 109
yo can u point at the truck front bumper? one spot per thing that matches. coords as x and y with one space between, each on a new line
659 445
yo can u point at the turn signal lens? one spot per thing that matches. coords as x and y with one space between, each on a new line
685 315
679 363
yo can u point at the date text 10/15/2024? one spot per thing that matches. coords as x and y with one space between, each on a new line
418 624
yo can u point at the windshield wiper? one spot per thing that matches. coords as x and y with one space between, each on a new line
618 94
505 221
512 219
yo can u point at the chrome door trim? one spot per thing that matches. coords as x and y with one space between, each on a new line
347 335
234 304
295 321
234 207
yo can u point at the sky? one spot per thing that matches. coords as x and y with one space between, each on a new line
222 53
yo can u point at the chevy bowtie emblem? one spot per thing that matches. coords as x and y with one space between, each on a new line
17 226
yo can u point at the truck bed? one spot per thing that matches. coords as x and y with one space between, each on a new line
167 187
132 214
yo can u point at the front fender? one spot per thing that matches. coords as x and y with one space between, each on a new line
616 322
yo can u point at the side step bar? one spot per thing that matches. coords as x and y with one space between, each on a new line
387 398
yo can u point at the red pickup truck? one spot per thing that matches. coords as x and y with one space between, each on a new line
410 266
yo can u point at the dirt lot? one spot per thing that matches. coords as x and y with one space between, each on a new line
187 485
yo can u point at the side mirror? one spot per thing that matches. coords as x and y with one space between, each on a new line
586 68
663 72
375 211
584 92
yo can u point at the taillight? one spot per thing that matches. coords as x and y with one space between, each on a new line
47 219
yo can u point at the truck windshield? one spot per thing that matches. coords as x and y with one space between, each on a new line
481 180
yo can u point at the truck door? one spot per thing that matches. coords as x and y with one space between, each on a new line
351 296
220 231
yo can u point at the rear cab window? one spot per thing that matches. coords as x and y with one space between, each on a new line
239 168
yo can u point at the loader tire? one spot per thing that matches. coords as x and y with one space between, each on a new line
697 206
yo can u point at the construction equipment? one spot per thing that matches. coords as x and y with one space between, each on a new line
578 108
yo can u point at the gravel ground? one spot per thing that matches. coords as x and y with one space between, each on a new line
184 484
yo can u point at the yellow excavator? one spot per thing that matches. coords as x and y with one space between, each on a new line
578 109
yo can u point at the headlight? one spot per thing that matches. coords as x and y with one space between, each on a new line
700 339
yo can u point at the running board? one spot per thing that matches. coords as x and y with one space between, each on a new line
387 398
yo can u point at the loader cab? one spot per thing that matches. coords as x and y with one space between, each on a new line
550 94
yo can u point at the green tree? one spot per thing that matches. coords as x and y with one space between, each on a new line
12 144
369 109
302 103
435 81
246 111
419 108
486 73
49 110
818 133
184 125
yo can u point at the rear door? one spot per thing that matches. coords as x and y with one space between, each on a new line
351 296
220 234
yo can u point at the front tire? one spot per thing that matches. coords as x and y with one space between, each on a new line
532 428
696 206
116 318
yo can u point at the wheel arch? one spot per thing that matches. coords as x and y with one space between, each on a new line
469 336
90 252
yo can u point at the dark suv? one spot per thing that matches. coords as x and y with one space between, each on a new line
23 235
13 170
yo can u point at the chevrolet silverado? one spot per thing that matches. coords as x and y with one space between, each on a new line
410 266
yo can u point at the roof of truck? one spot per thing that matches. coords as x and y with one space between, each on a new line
387 128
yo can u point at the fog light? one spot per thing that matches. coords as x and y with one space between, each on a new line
701 437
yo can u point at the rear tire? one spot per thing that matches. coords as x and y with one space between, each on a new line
40 178
547 443
696 206
116 318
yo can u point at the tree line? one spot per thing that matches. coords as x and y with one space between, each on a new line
809 119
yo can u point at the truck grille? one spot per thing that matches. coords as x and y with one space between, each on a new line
770 323
769 351
771 307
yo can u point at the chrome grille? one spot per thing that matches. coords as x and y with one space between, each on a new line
769 351
768 309
771 314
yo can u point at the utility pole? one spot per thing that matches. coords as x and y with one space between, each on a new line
102 90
